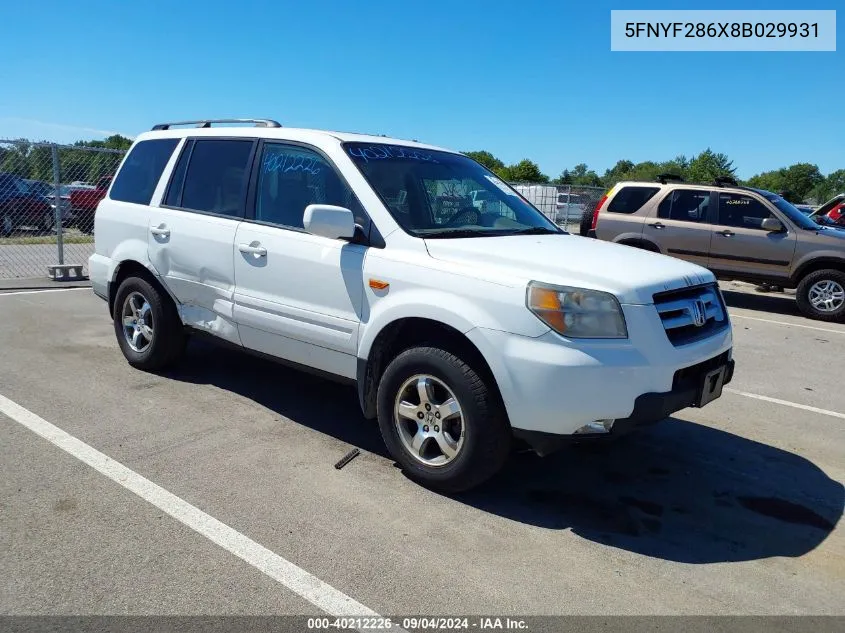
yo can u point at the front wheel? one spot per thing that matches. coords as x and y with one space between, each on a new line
148 328
441 420
821 295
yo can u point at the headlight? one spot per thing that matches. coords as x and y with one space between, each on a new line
577 312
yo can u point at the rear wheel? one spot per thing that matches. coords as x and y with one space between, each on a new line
821 295
441 420
48 222
6 225
645 246
586 222
148 328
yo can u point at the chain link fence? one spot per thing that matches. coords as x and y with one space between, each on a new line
566 205
48 195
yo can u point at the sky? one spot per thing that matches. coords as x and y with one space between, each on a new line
525 79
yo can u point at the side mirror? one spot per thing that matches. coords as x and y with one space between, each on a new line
337 223
772 225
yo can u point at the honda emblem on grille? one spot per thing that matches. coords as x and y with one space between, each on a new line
698 312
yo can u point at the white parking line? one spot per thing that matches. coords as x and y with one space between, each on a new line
302 583
787 403
38 292
806 327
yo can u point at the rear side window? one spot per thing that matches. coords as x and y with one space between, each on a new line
137 179
216 177
686 205
631 199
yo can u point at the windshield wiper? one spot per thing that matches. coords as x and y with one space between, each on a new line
535 230
479 232
447 233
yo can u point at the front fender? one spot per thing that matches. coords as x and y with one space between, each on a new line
830 257
503 309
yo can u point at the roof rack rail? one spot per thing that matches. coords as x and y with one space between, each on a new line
208 123
721 181
663 178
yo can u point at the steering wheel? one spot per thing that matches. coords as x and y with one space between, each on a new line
467 215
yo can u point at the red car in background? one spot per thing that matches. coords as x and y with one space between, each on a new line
83 204
837 214
831 213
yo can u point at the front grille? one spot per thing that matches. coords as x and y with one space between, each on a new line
691 314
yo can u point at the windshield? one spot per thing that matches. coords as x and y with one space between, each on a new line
439 194
797 218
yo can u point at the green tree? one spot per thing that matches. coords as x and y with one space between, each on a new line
524 171
116 141
832 185
486 158
617 172
801 179
769 180
708 165
797 182
580 175
565 178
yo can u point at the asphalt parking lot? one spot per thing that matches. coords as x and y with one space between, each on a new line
731 509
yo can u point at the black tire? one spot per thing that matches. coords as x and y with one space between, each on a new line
805 305
168 337
643 246
586 222
486 432
48 222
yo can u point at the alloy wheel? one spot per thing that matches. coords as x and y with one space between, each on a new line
138 323
429 420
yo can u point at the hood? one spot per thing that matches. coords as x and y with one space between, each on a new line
633 275
835 232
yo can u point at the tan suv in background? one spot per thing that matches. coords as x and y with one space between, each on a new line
737 232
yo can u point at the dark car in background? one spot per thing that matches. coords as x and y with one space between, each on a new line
21 206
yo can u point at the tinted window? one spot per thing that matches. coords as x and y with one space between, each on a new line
215 181
791 212
293 177
741 211
177 181
137 179
631 199
686 205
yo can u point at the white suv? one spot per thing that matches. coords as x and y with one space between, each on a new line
364 258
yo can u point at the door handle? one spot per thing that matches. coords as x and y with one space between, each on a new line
657 225
161 230
726 233
253 249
